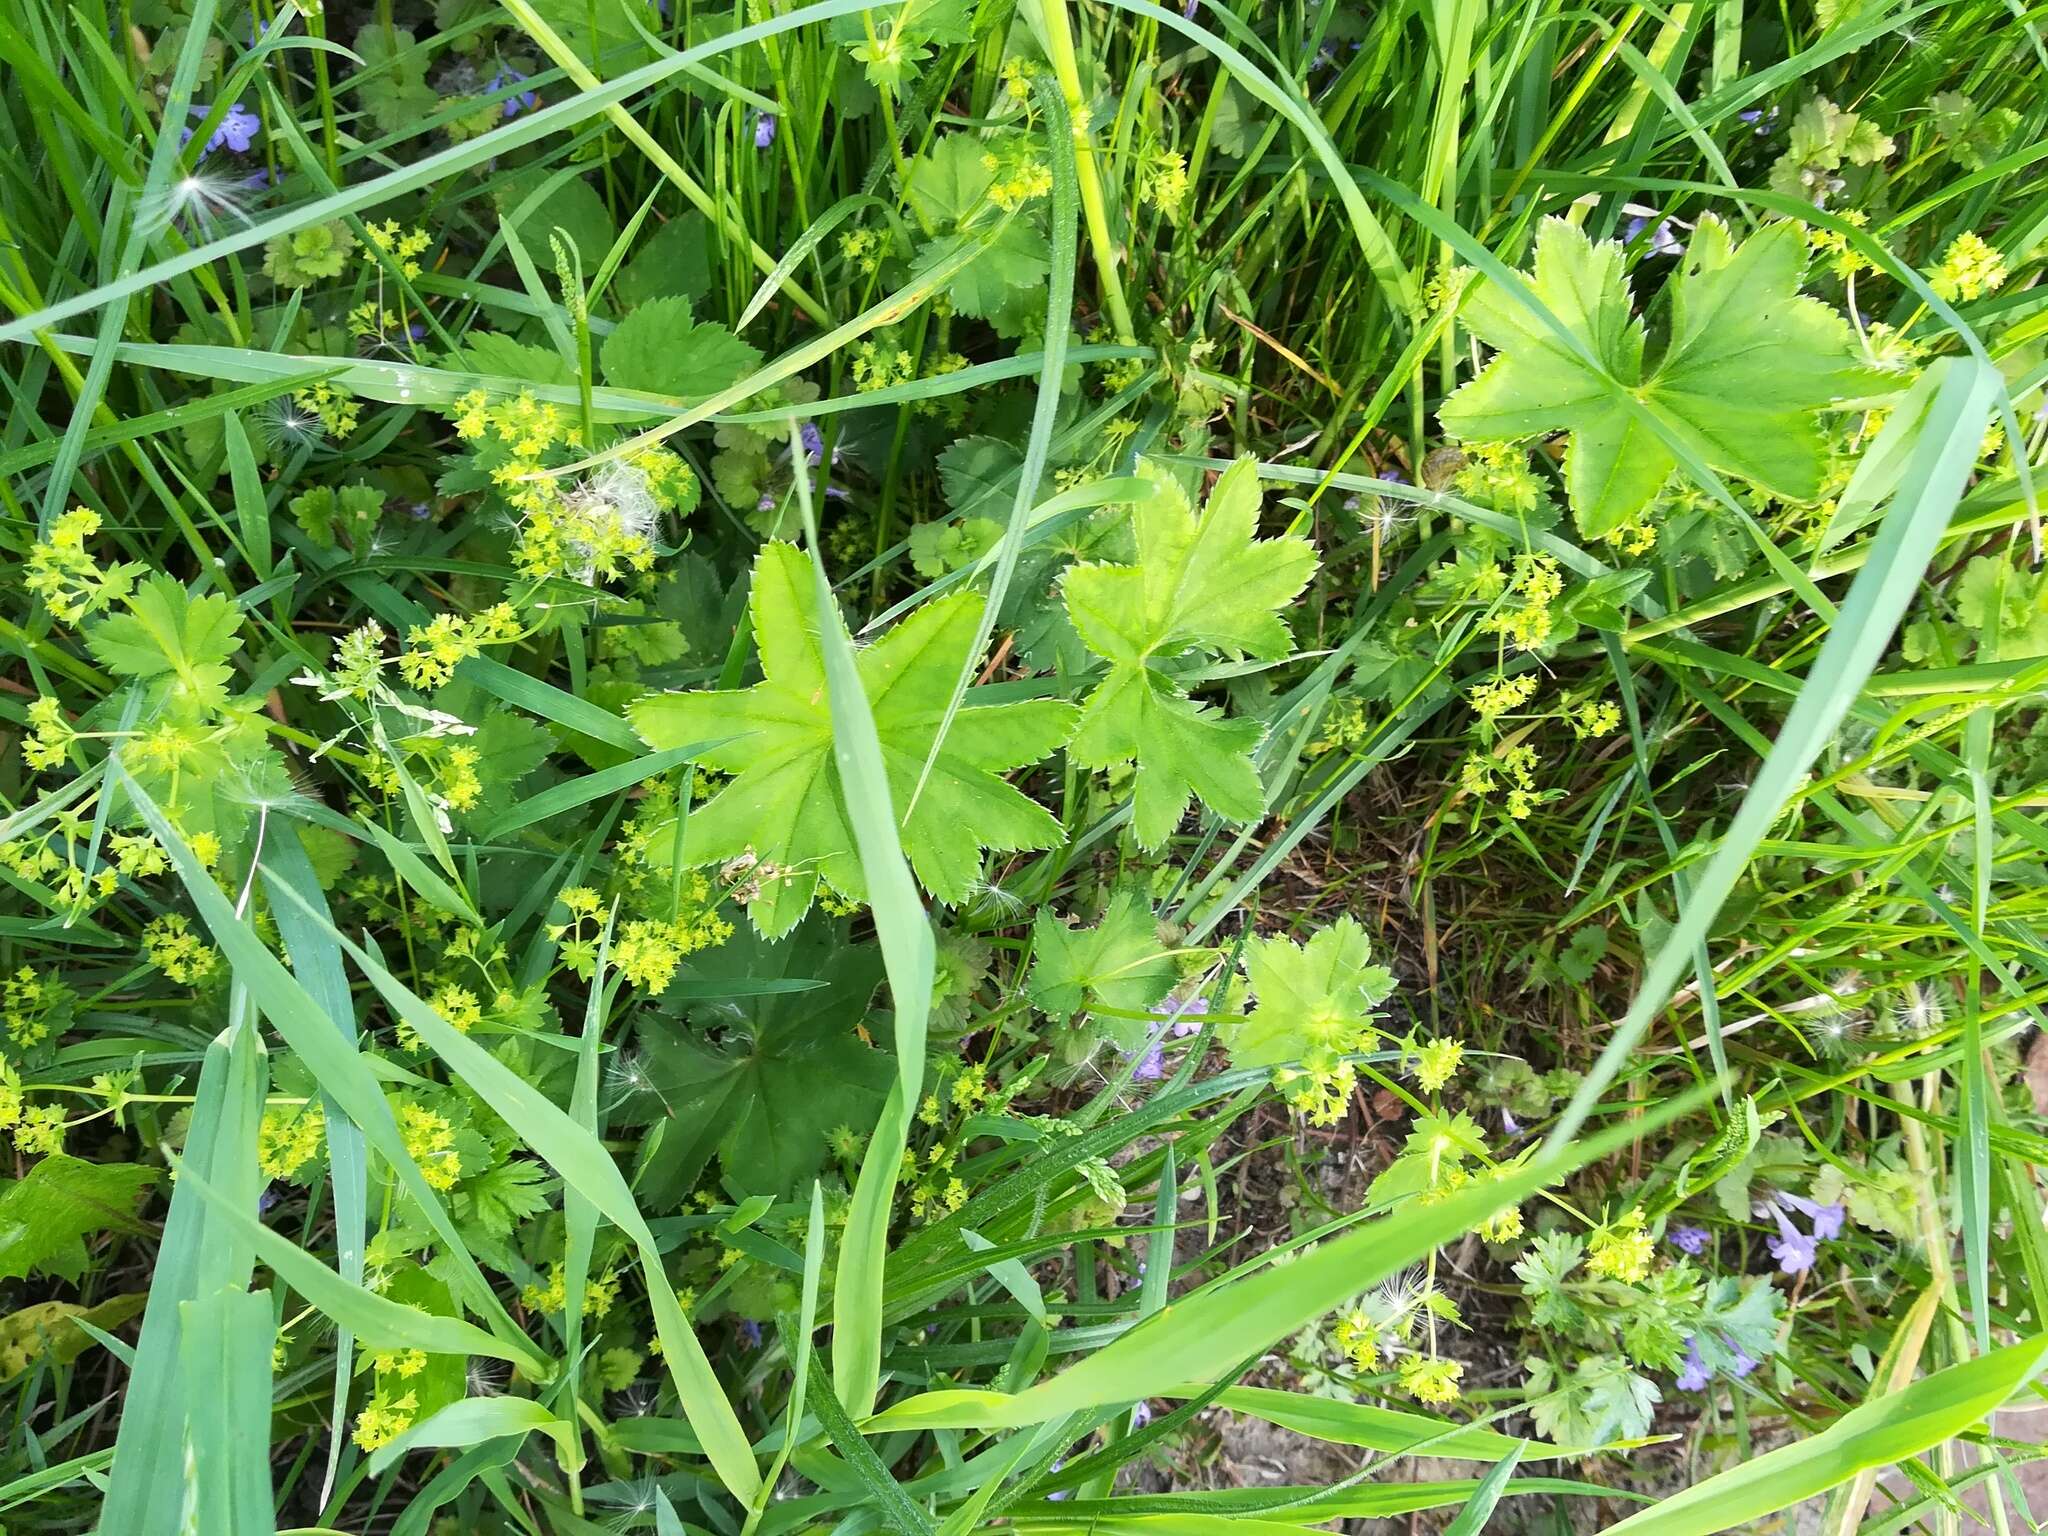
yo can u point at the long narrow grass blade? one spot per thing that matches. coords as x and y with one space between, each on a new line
226 1346
1210 1332
1927 496
908 955
146 1489
1886 1430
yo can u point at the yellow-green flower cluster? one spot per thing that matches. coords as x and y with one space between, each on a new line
404 246
67 578
32 1005
1345 727
339 412
648 951
1621 1250
49 736
1358 1336
1835 247
600 1292
288 1138
435 649
430 1142
358 663
864 250
1499 694
1595 717
1019 178
402 1363
1431 1379
1484 772
170 945
1164 181
138 854
1437 1062
384 1419
1498 475
1970 268
39 859
38 1129
1537 584
880 365
370 318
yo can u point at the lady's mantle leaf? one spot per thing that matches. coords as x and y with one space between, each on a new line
785 802
1318 994
1203 586
1748 364
1119 963
763 1079
172 640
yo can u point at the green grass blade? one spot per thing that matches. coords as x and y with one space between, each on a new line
908 956
317 963
146 1488
1856 641
341 1072
1478 1509
470 1422
1883 1432
226 1347
375 1319
1210 1332
581 1160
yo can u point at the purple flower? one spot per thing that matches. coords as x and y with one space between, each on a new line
1742 1364
1792 1248
1172 1013
518 101
764 129
1141 1415
814 440
1662 241
1188 11
236 130
1695 1376
1826 1219
1692 1240
1509 1125
751 1332
1760 119
1151 1068
1057 1463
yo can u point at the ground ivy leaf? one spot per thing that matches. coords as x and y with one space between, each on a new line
1119 963
661 349
172 640
1748 364
1202 586
785 802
